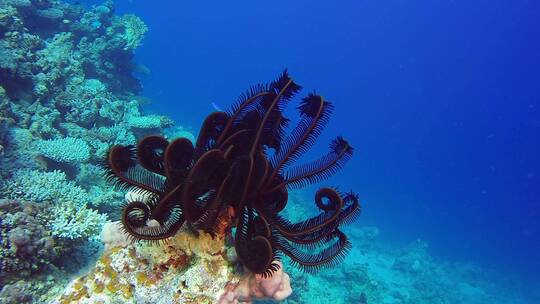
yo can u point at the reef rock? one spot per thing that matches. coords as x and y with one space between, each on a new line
188 268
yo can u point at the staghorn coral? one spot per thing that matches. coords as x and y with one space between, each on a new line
228 174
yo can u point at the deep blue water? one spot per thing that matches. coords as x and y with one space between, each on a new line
441 100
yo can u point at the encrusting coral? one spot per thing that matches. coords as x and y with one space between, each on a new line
187 269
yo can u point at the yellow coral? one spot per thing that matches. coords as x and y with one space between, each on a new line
98 287
112 287
144 279
127 291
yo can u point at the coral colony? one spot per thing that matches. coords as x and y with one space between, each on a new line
230 178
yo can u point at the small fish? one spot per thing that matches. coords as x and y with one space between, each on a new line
216 107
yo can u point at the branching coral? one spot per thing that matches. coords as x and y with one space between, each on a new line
38 186
75 221
230 174
68 149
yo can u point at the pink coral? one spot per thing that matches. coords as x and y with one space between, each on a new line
276 287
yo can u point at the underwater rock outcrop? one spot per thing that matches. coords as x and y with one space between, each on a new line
187 269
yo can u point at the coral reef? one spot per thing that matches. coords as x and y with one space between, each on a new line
70 78
51 44
34 233
66 93
38 289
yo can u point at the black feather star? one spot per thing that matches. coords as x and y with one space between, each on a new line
229 171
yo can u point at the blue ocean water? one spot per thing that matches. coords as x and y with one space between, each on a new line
439 98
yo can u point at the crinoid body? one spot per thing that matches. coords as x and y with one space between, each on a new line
241 168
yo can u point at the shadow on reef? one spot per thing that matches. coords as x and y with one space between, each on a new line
231 177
